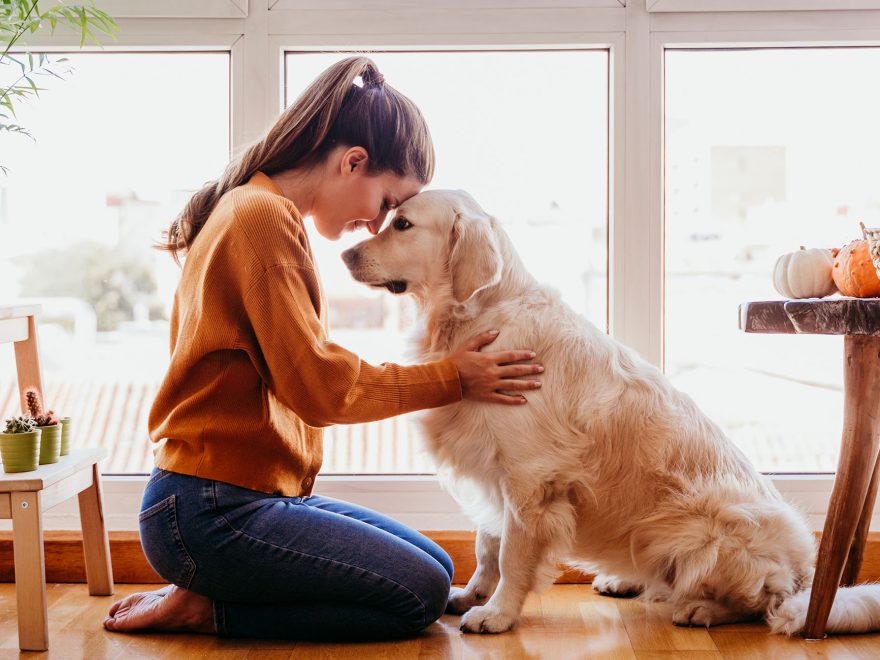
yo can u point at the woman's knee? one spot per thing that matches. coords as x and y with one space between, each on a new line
446 562
432 591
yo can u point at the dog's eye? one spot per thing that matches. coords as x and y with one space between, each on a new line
401 224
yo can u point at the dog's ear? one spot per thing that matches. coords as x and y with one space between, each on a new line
475 259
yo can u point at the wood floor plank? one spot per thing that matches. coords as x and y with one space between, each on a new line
649 626
754 642
675 655
408 648
566 623
270 654
862 647
601 632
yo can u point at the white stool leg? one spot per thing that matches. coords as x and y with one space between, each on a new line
30 571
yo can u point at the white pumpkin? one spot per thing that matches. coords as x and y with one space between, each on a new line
805 273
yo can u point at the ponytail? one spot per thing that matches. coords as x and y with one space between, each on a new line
332 111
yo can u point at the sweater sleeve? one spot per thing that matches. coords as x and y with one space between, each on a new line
322 382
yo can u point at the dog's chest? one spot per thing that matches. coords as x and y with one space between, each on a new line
461 436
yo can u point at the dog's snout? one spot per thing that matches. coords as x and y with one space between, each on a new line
351 257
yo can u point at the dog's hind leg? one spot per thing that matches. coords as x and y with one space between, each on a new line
483 581
611 585
709 613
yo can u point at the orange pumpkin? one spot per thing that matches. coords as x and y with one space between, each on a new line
854 272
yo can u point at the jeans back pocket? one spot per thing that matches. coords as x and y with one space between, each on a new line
163 545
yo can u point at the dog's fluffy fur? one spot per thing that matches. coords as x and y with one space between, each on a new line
607 467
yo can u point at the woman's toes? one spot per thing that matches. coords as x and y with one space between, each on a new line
130 599
170 608
136 611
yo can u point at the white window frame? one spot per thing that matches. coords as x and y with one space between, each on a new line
635 33
175 8
757 5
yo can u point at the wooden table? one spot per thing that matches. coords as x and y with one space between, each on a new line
25 495
855 485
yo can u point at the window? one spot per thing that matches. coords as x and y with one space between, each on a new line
633 39
121 144
766 150
526 134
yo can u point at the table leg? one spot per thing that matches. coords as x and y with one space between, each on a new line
30 571
27 363
857 549
96 546
858 457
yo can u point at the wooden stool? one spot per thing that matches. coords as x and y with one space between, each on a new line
25 495
855 485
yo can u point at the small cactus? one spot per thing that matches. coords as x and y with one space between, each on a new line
47 419
34 403
35 408
21 424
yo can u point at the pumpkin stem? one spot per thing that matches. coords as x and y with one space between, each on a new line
802 247
862 225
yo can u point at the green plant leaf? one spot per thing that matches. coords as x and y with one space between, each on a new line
15 128
20 17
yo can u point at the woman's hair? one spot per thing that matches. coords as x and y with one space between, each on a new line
332 111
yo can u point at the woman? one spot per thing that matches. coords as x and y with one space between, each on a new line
227 516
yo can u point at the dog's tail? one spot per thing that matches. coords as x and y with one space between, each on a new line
855 610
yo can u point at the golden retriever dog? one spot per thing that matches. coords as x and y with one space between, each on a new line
607 467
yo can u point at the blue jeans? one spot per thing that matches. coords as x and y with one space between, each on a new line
292 567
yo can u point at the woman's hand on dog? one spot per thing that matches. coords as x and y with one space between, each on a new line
487 376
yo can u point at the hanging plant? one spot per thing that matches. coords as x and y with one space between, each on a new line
20 17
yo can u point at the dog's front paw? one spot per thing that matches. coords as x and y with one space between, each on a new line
487 619
461 600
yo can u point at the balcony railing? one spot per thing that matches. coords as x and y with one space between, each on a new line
114 416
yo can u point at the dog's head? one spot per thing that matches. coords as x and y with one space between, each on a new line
439 238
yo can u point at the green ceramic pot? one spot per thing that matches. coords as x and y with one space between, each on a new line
66 432
50 444
20 451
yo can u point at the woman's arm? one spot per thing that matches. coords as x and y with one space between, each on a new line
323 383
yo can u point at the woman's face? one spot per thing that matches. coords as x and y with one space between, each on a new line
352 197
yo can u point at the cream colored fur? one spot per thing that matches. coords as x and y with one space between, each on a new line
607 467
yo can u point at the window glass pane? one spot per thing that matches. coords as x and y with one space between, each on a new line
766 150
121 144
526 134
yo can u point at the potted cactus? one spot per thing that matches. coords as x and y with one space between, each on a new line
50 440
20 444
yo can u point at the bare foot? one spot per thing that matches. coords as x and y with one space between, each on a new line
169 608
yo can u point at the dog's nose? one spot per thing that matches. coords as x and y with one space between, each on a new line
350 257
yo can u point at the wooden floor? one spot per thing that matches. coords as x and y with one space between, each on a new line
569 621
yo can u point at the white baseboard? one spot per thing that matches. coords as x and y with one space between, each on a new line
415 500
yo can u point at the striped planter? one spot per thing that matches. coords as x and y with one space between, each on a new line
20 451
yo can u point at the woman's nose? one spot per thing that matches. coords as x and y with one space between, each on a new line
373 226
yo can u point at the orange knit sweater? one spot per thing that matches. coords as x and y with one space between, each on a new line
252 374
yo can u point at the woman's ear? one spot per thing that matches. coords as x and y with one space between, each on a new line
354 160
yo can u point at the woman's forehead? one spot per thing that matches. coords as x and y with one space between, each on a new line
402 187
